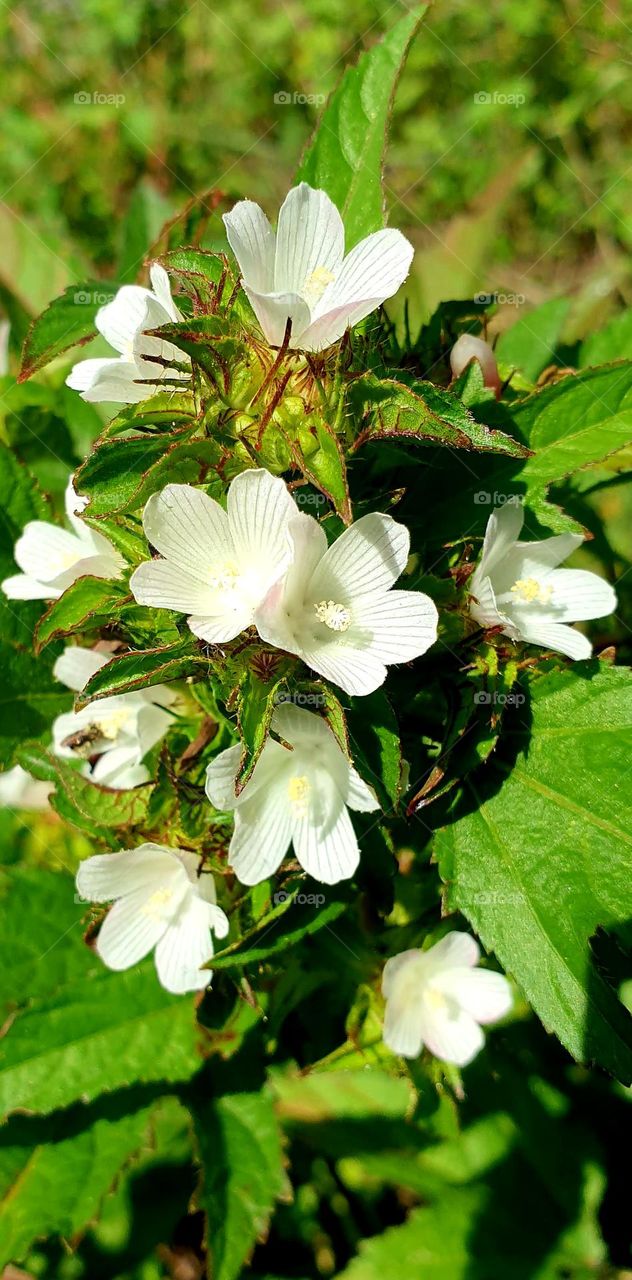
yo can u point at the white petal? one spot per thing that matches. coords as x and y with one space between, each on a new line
502 530
483 994
261 837
285 599
188 528
549 552
310 234
161 286
44 551
110 381
273 310
557 636
328 852
357 671
251 239
18 790
220 778
455 950
483 606
371 273
397 627
21 587
119 320
579 594
219 630
75 666
129 932
110 875
152 723
359 795
259 508
364 561
164 585
403 1017
185 945
394 966
468 348
119 768
451 1034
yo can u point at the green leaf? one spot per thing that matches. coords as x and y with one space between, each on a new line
121 474
387 409
335 1095
240 1147
130 671
54 1173
324 465
90 807
103 1032
539 855
259 694
530 344
614 342
30 698
286 924
376 746
41 944
20 501
89 603
67 322
346 156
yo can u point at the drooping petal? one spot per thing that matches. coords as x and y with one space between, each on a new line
129 932
161 286
112 381
185 945
220 778
579 594
252 241
557 636
119 768
262 835
360 796
188 528
329 851
450 1033
110 875
399 626
75 666
273 310
501 533
483 605
119 320
364 561
310 237
20 587
483 994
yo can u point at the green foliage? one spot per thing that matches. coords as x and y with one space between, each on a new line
67 322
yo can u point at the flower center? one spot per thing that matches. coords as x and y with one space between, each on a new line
224 578
334 615
316 283
529 591
110 726
156 905
434 998
298 790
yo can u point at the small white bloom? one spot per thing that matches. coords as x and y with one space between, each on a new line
123 322
336 610
300 796
301 273
18 790
160 901
468 348
52 559
438 998
517 586
119 730
217 565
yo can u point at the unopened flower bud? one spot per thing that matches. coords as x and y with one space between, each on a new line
469 348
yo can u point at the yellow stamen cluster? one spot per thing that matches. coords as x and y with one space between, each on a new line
334 615
529 590
299 792
316 283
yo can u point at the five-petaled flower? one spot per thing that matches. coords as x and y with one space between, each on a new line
302 274
438 998
123 322
299 796
518 587
161 900
112 735
217 565
336 609
51 558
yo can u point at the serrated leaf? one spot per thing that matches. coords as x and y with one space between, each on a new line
259 694
346 155
139 670
387 409
544 855
87 604
92 808
324 466
102 1032
67 322
240 1148
121 474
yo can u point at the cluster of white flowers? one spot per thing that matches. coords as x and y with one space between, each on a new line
260 563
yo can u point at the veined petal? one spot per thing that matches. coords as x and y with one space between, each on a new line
188 528
273 311
371 273
185 945
75 666
129 932
328 852
357 671
110 875
224 627
164 585
360 795
112 381
364 561
310 235
220 778
450 1033
284 602
259 508
557 636
579 594
483 606
548 553
501 533
261 837
483 994
399 626
252 240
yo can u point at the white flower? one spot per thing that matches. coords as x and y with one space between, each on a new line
52 558
518 587
18 790
160 901
218 565
119 730
302 272
300 796
438 998
131 377
335 607
468 348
